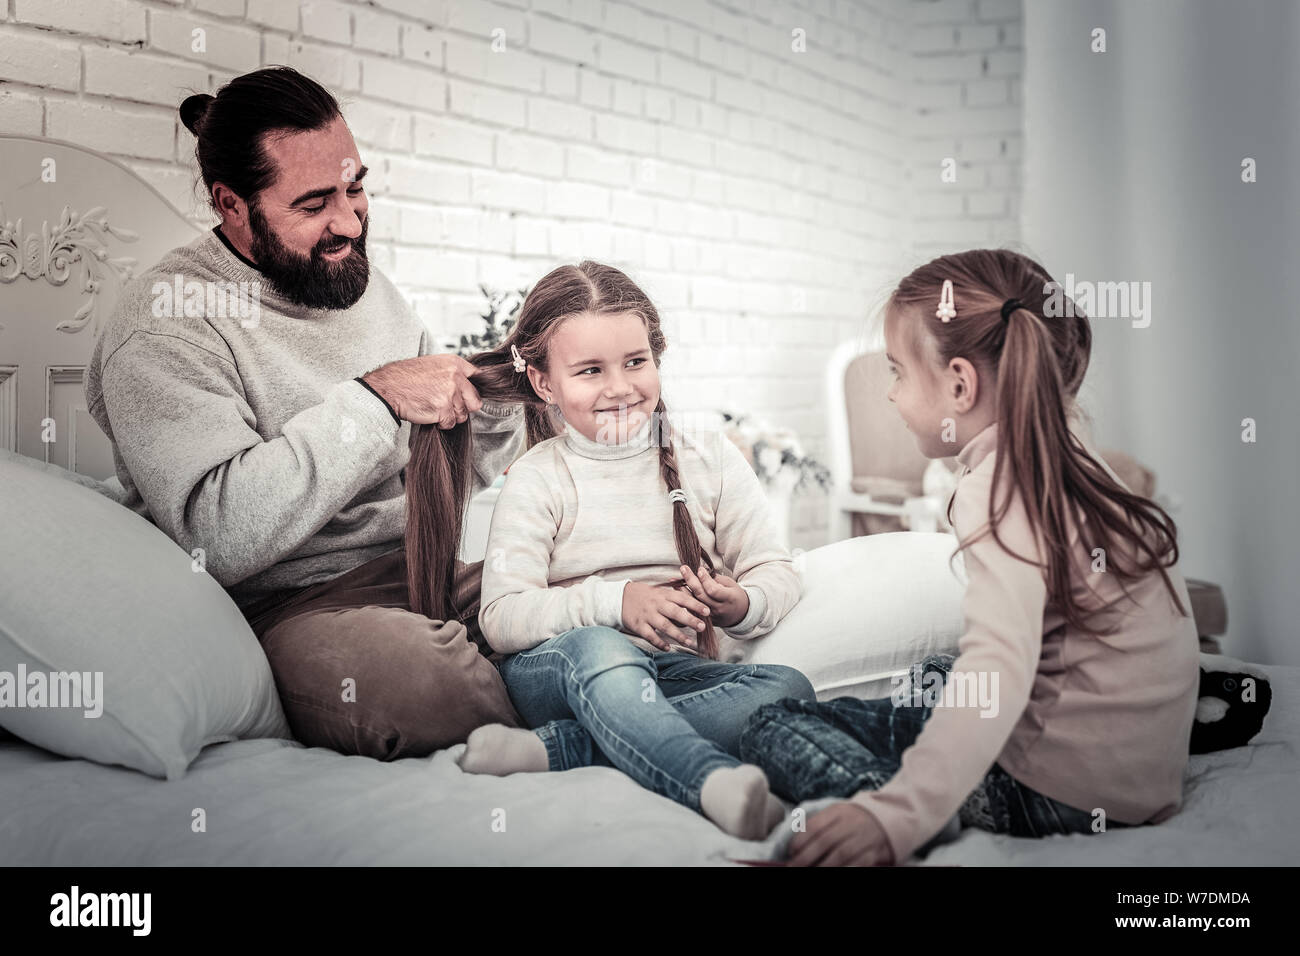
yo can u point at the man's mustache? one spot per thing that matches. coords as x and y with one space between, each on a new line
322 248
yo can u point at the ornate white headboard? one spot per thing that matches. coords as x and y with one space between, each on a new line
74 224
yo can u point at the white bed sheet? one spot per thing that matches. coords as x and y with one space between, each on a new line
274 802
1238 809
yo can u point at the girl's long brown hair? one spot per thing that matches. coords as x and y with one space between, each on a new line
1037 363
437 474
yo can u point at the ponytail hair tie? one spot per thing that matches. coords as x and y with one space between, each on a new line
1008 307
677 495
520 364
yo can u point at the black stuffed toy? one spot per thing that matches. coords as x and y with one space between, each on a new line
1230 711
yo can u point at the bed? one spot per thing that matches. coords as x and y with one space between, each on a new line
240 791
275 802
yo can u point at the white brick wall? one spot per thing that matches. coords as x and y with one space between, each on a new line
766 198
965 68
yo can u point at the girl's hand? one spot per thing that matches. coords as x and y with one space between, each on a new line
722 594
844 834
649 610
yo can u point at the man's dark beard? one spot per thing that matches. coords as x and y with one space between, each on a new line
311 281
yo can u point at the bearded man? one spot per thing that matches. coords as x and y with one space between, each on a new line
269 440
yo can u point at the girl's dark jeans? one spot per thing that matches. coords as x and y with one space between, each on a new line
835 748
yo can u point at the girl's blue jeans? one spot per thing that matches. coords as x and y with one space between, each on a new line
666 719
836 748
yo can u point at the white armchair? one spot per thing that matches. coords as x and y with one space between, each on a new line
875 465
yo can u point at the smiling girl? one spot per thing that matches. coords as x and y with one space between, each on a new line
617 545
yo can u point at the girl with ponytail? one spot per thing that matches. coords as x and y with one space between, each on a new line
1070 706
619 545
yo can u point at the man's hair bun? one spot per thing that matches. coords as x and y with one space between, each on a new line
192 110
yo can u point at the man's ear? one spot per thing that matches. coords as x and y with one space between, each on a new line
541 385
963 384
230 207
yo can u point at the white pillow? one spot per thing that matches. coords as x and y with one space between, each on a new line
871 607
87 585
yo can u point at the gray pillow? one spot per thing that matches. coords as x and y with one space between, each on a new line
88 586
109 487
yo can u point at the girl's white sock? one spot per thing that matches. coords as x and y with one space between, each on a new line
738 801
499 750
776 814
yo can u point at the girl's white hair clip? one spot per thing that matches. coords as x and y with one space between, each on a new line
947 308
677 495
520 364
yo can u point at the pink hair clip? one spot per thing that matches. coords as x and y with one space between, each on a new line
520 364
947 308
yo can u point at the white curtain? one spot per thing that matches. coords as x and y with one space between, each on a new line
1133 173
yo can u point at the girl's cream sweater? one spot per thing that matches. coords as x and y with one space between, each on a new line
577 519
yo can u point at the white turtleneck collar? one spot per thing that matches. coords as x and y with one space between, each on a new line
587 448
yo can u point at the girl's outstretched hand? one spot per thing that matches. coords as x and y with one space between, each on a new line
844 834
725 598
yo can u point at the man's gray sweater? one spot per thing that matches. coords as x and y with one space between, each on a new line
241 431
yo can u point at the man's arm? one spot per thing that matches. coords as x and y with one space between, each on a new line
499 438
186 434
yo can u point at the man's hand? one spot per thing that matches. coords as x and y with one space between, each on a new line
844 834
653 610
428 390
726 599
